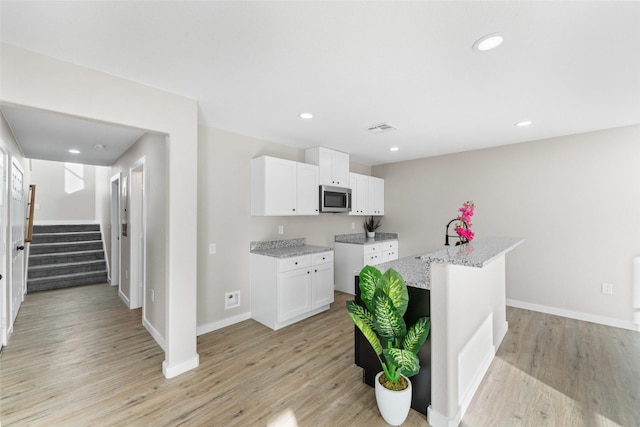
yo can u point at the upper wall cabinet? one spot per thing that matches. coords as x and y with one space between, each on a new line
333 165
282 187
367 195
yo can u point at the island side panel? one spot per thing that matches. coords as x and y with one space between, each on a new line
463 302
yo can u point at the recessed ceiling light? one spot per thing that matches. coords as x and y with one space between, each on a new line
488 42
74 151
306 116
99 146
523 123
393 149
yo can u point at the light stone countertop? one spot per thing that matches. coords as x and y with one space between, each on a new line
286 248
362 239
416 269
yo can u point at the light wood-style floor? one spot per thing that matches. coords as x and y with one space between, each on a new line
79 357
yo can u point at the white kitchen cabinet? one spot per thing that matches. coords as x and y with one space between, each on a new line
287 290
359 194
281 187
307 193
351 258
367 195
333 165
376 196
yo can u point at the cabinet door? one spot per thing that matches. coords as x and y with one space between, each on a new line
340 170
373 259
307 192
359 194
322 285
376 196
273 186
294 293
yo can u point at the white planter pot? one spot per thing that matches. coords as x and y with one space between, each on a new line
394 406
371 234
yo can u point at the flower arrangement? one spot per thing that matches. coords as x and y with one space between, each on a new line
463 228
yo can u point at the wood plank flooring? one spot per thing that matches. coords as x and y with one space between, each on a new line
79 357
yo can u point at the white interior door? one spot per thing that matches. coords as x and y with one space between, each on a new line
115 230
3 249
17 239
137 236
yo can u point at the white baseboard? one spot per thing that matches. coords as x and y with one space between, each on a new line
180 368
124 298
155 334
601 320
213 326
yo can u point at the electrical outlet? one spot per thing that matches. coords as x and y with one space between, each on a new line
607 288
353 225
281 229
231 299
212 248
153 296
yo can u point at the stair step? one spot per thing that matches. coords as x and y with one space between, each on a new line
46 248
65 237
65 228
64 257
66 269
66 281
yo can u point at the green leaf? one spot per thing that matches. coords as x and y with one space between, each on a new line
364 321
416 335
387 320
407 363
394 286
369 277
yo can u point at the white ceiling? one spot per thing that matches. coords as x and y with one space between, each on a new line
569 67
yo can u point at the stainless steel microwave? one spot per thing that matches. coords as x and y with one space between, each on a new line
335 199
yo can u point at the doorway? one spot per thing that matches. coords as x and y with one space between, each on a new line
3 248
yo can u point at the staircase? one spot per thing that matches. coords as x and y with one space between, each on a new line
66 255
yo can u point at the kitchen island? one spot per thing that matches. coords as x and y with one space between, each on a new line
466 293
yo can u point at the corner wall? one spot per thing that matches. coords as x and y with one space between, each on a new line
575 199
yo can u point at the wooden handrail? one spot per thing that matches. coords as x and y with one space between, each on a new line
32 198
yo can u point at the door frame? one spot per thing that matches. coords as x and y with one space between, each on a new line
4 235
13 311
137 235
114 271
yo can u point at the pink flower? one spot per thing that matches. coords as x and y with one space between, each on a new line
464 221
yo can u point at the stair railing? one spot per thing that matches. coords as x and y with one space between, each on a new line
32 198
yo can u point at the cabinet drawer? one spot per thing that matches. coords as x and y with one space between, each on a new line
389 255
390 245
322 258
373 259
289 264
373 249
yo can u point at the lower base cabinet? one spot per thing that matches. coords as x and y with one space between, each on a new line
285 291
365 357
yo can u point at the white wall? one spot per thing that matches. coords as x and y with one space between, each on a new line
153 148
36 81
52 198
575 199
224 206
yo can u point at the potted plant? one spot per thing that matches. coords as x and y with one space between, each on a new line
381 321
370 226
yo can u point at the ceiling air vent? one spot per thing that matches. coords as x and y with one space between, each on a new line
382 127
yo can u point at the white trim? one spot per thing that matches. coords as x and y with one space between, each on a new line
213 326
154 333
137 227
436 419
124 298
175 370
66 222
577 315
116 229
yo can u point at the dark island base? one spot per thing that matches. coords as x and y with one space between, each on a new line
365 357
